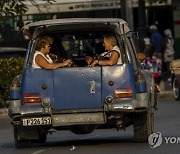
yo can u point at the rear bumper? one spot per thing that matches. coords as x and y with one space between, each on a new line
78 117
58 118
17 110
140 104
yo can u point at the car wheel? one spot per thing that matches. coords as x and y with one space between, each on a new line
143 125
20 143
176 90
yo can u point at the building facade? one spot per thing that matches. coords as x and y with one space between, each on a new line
159 11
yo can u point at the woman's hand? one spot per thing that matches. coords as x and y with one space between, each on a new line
67 63
89 60
95 62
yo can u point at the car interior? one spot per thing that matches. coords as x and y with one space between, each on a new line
76 46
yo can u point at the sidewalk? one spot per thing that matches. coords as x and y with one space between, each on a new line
165 89
3 111
166 94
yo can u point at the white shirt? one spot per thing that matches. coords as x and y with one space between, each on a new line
108 54
169 50
47 57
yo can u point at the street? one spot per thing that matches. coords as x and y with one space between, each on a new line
167 122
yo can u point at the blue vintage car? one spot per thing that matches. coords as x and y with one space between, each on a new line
80 98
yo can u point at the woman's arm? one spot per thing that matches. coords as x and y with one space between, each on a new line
44 64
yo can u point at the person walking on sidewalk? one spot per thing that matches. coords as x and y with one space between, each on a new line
156 40
168 50
153 64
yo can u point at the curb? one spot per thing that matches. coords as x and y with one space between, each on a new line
166 94
3 111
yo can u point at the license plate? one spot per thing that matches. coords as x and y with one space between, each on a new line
37 121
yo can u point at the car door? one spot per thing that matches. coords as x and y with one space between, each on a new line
77 88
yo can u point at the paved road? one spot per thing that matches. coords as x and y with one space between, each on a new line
167 121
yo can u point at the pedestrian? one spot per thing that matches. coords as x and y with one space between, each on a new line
153 64
156 40
168 49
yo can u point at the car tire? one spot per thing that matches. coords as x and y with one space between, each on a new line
143 125
176 90
20 143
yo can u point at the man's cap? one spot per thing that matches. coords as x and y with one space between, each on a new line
153 27
168 32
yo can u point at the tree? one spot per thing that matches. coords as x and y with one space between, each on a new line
17 7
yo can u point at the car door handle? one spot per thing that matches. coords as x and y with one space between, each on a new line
92 86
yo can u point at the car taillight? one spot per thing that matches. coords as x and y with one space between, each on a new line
140 82
123 93
32 98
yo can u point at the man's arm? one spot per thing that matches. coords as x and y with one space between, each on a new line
113 60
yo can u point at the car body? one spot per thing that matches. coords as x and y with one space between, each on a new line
8 52
80 98
175 78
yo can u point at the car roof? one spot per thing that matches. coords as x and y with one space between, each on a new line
30 28
73 21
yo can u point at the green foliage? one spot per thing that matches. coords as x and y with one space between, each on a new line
9 68
12 7
17 7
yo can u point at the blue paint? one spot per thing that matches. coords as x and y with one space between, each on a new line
14 94
141 87
32 81
122 76
70 88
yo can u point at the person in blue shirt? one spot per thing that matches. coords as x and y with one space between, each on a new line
153 64
156 40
